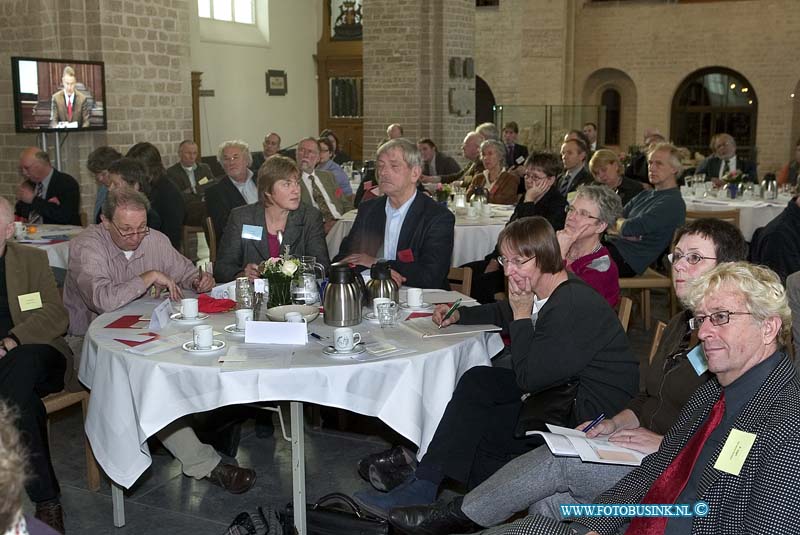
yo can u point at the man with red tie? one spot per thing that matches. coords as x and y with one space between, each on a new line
69 105
731 455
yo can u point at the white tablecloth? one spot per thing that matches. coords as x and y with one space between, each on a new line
752 214
132 397
473 238
57 253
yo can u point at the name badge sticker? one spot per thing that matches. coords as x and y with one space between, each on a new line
697 358
252 232
203 181
734 452
30 301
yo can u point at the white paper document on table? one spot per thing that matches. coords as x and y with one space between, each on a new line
427 329
566 442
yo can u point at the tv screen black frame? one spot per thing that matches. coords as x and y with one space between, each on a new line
41 98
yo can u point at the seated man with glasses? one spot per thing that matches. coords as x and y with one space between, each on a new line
539 481
593 363
118 261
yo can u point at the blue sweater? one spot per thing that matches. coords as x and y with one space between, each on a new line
651 219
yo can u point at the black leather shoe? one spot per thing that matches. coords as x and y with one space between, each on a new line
52 514
234 479
439 518
387 469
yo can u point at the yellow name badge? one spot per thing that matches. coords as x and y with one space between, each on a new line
30 301
735 452
203 181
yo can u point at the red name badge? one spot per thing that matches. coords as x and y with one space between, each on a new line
406 256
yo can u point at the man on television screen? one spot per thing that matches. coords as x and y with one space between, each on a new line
69 105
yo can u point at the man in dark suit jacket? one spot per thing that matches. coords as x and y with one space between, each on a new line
435 163
419 239
725 160
516 154
573 155
192 178
47 195
231 190
746 422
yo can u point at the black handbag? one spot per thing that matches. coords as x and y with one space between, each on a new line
336 514
554 405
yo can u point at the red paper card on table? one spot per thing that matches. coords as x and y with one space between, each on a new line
125 322
134 343
418 315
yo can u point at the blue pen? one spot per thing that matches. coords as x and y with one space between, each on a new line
594 423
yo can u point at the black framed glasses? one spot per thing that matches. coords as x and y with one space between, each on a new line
569 209
718 318
516 262
141 232
692 258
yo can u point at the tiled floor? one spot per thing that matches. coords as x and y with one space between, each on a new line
165 502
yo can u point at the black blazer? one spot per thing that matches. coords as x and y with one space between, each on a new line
221 198
445 165
711 166
66 212
168 204
304 234
520 151
583 177
428 231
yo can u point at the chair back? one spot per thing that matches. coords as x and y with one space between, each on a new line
731 216
460 279
624 312
660 326
211 239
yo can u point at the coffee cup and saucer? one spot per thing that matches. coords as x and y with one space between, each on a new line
243 315
346 344
202 342
189 313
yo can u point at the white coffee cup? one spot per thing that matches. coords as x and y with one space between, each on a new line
294 317
414 297
378 301
203 336
472 211
19 230
344 339
189 308
243 315
486 210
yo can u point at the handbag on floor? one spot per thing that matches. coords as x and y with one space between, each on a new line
336 514
554 405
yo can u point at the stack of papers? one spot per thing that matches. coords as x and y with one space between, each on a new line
566 442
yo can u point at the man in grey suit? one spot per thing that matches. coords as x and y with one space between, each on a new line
733 447
192 179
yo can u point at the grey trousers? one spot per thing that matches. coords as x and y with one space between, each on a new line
539 481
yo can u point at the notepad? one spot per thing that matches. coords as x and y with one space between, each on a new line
427 329
566 442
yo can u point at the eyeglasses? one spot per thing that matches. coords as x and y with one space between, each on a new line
569 209
533 175
692 258
717 318
143 232
516 262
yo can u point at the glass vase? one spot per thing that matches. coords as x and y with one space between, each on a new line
279 289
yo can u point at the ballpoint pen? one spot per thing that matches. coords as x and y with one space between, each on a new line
594 423
450 312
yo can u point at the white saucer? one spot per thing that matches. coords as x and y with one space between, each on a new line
232 330
178 318
424 306
216 345
331 352
370 316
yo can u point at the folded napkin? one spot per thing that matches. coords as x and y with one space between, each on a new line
208 305
419 315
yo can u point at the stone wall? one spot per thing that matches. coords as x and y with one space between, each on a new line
407 48
145 47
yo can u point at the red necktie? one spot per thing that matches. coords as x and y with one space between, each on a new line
672 481
69 109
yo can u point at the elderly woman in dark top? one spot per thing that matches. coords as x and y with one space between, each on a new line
541 198
164 197
278 222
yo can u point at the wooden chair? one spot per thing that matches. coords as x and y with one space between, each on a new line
660 326
731 216
190 232
624 311
460 279
211 239
84 218
62 400
644 283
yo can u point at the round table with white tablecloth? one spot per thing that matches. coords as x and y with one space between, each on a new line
54 240
753 213
474 238
133 396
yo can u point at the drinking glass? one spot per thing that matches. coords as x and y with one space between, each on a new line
387 314
244 293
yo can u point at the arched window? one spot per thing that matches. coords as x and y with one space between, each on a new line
611 103
711 101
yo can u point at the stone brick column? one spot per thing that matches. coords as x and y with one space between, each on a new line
408 45
145 47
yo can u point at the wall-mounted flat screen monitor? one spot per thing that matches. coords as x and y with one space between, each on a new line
58 95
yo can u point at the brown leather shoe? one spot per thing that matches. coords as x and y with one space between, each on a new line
234 479
52 514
